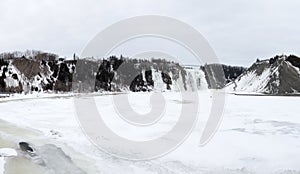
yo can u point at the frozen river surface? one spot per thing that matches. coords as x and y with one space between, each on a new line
258 134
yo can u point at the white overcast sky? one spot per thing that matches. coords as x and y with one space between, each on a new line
238 30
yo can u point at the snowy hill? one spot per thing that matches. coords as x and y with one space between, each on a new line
278 75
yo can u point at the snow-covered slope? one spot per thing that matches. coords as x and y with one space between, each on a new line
278 75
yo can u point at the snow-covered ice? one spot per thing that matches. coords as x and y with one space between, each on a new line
258 134
2 165
6 152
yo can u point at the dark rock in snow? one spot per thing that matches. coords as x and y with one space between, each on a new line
25 147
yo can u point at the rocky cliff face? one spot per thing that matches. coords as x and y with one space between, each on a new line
27 75
23 74
278 75
219 75
45 72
